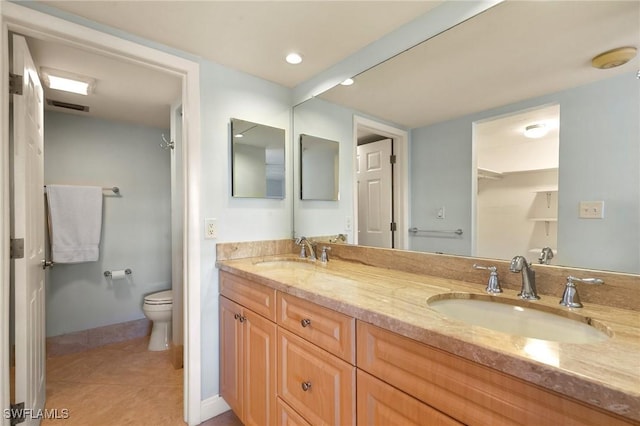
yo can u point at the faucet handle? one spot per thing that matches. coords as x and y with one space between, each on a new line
570 297
324 256
493 285
303 251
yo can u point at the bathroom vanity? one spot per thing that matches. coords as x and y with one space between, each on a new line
349 343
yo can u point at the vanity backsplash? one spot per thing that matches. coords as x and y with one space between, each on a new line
619 290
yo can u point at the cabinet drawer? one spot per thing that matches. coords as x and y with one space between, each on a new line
288 417
316 384
331 330
470 393
257 297
381 404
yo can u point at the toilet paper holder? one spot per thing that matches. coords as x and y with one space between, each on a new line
127 271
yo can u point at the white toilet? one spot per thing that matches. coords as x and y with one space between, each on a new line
158 308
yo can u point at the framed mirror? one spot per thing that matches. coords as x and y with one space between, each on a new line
319 168
257 160
429 92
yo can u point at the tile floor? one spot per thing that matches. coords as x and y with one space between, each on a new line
119 384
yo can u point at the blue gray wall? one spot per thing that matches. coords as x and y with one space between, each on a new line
136 226
599 160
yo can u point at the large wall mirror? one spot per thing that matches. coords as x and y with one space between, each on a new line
319 171
258 160
465 98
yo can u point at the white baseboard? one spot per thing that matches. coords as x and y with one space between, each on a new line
212 407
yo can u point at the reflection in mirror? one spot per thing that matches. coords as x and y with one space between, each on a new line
258 156
319 171
429 91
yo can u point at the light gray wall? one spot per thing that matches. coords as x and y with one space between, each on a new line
226 93
136 229
599 160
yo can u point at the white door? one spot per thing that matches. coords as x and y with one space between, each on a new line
28 224
375 194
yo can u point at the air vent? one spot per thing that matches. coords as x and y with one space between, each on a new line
67 105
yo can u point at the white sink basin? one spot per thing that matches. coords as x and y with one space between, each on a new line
512 317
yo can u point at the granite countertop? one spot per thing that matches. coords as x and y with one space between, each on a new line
605 374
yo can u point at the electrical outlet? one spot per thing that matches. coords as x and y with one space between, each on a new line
210 229
348 223
591 209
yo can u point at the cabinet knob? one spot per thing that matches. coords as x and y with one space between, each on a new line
242 319
305 322
306 386
236 316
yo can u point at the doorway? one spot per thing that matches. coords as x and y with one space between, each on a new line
32 23
516 203
380 205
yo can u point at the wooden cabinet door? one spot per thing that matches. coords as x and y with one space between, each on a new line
318 385
231 359
383 405
288 417
260 370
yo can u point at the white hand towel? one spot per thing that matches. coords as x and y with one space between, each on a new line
76 222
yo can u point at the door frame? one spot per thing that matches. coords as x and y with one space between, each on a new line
29 22
400 176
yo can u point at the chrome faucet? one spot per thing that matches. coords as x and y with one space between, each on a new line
520 264
493 285
545 256
570 297
324 256
304 243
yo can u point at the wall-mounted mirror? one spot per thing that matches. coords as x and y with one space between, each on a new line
524 56
319 171
258 160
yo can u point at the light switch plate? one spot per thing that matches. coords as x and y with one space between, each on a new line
591 209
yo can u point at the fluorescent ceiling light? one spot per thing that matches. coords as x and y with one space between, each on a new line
347 82
535 131
239 135
294 58
61 80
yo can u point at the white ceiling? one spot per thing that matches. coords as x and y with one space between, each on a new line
514 51
249 36
123 91
255 36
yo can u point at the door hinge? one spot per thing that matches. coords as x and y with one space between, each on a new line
16 250
392 159
15 84
17 414
394 227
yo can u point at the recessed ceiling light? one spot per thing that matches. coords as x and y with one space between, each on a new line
535 131
614 57
67 82
347 82
294 58
239 135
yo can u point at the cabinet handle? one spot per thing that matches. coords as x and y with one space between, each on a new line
236 316
305 322
306 386
242 319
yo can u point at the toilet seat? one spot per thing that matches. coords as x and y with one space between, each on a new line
160 298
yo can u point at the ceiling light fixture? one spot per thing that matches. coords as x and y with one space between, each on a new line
67 82
239 135
347 82
535 131
294 58
614 57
